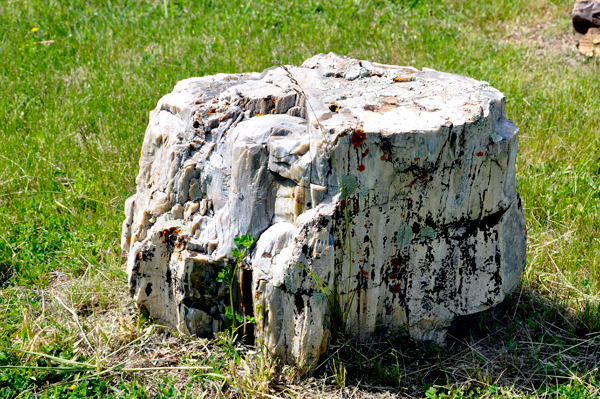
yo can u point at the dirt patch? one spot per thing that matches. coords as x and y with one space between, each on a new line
548 39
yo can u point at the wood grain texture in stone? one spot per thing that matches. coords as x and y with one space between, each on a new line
427 163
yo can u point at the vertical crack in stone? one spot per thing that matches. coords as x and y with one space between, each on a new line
247 303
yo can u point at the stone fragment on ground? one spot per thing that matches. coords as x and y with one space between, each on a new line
589 44
586 20
421 162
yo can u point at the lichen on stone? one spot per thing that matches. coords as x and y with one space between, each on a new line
428 232
404 235
349 185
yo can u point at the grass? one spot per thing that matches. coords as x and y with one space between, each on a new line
72 118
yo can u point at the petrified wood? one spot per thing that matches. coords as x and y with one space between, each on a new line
422 162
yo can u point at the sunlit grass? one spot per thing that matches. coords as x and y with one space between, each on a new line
75 98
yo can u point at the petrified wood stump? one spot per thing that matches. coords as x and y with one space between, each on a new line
425 168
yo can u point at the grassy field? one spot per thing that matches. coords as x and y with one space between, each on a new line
77 80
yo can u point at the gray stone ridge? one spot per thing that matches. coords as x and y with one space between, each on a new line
397 184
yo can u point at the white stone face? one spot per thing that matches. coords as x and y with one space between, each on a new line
425 160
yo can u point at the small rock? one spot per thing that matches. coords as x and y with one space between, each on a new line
589 44
586 15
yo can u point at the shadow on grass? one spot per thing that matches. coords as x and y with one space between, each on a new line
529 344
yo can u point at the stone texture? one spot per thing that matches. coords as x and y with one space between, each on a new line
426 164
589 45
586 15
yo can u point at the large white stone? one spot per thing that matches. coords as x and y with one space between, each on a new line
426 160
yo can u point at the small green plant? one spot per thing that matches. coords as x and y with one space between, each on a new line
227 275
339 373
258 367
337 312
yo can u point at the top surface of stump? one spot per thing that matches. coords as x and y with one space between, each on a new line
345 94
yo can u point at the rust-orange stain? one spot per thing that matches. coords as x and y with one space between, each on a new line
365 153
360 168
403 79
479 154
383 158
358 138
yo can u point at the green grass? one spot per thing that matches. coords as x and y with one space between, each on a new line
72 119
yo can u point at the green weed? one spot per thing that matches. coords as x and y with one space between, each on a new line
229 276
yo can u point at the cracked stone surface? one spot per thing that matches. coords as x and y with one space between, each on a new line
425 170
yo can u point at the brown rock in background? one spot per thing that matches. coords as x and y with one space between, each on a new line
586 20
586 15
590 43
